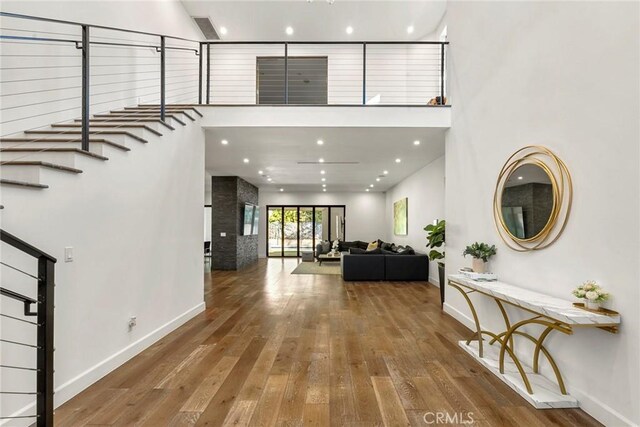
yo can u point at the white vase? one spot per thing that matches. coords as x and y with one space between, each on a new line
591 305
478 265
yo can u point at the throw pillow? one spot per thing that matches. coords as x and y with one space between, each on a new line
386 246
388 252
374 251
356 251
326 246
407 251
373 245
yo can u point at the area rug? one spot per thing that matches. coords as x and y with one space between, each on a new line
316 268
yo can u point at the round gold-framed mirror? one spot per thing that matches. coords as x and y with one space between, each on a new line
532 199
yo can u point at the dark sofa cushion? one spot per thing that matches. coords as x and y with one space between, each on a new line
407 250
358 251
363 267
345 246
407 267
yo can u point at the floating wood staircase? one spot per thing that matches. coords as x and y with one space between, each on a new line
27 161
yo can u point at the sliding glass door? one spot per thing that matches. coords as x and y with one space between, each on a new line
292 230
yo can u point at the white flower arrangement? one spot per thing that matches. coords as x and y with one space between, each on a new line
591 292
336 245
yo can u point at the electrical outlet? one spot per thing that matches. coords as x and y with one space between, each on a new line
223 234
133 321
68 254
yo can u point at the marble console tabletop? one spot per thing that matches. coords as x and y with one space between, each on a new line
554 308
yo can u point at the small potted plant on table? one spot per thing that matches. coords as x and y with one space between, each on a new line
481 252
436 238
592 294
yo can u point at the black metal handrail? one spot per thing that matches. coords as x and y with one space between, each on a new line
285 44
85 44
44 324
205 80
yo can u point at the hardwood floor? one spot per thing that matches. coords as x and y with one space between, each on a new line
279 349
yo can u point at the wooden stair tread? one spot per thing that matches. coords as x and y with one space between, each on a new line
169 106
105 125
76 132
55 150
41 164
65 140
137 112
124 120
22 183
126 116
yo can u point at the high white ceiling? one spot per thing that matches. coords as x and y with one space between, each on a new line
364 154
319 20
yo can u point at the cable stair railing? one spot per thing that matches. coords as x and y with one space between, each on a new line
37 312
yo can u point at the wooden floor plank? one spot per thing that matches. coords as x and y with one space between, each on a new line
274 348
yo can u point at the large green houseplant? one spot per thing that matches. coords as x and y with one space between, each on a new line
436 240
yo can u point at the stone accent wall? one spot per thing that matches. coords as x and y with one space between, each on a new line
228 197
247 246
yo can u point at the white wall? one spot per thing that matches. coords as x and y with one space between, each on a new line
425 191
564 75
43 84
364 219
137 246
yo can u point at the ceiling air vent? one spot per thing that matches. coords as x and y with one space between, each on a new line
206 27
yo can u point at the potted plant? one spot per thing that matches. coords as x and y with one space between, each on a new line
436 239
481 252
592 294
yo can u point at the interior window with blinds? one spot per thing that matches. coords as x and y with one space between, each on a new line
307 80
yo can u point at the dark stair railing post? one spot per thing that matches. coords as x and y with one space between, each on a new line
85 88
208 70
442 74
162 73
286 73
364 74
200 76
44 400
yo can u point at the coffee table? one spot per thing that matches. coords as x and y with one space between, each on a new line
324 257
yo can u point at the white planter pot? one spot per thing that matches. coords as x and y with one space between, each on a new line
591 305
478 265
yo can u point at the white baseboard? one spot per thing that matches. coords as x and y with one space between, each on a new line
434 281
594 407
75 385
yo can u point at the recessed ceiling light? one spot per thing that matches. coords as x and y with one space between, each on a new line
320 160
269 179
223 30
371 185
282 189
261 172
410 29
416 142
386 172
324 189
398 160
519 177
245 160
323 179
224 142
366 189
320 142
324 185
289 30
349 29
322 172
378 179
